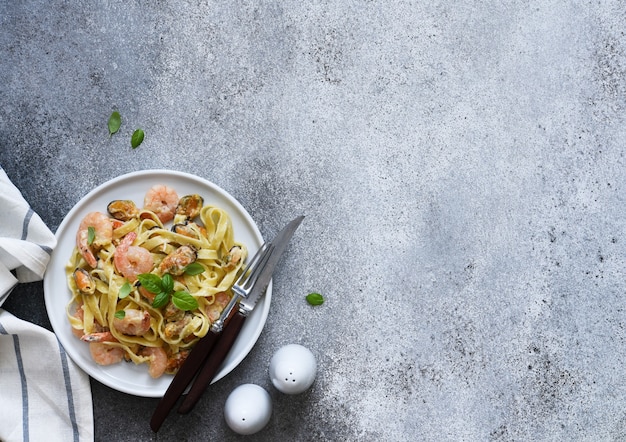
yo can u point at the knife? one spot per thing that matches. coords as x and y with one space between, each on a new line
199 354
236 321
203 348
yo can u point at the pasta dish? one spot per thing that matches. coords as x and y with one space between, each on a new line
147 283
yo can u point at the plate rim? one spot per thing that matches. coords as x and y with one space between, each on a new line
99 373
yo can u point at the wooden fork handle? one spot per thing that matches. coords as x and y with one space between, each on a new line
183 378
213 363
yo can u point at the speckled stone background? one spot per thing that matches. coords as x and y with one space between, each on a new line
460 166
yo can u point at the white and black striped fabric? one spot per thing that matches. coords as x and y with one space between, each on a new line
43 394
25 241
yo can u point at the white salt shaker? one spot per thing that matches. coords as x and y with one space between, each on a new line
293 369
248 409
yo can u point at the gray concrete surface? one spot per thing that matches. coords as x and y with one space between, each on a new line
460 164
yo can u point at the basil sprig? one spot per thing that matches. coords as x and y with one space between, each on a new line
194 268
315 299
114 123
137 138
125 290
91 235
163 288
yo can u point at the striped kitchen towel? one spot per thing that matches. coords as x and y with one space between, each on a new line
43 394
25 241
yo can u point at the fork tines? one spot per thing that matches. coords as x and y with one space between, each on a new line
248 277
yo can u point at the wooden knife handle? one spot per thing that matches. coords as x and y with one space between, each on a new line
183 378
213 363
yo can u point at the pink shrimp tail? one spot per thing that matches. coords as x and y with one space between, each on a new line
128 239
121 250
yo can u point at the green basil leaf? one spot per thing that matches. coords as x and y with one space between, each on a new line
120 314
167 283
115 121
91 235
161 299
195 268
315 299
124 290
150 282
184 301
137 138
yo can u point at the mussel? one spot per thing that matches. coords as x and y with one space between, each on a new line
232 259
123 209
189 206
84 281
175 262
189 229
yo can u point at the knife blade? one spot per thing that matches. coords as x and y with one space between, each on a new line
234 324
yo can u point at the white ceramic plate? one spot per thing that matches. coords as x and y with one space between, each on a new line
128 377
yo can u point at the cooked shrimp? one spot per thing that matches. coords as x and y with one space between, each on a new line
158 360
175 262
131 260
103 233
214 310
135 322
104 354
161 200
105 336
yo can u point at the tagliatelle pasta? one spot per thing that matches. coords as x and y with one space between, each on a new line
145 290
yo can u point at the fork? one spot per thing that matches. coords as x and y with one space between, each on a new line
242 288
244 284
198 361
